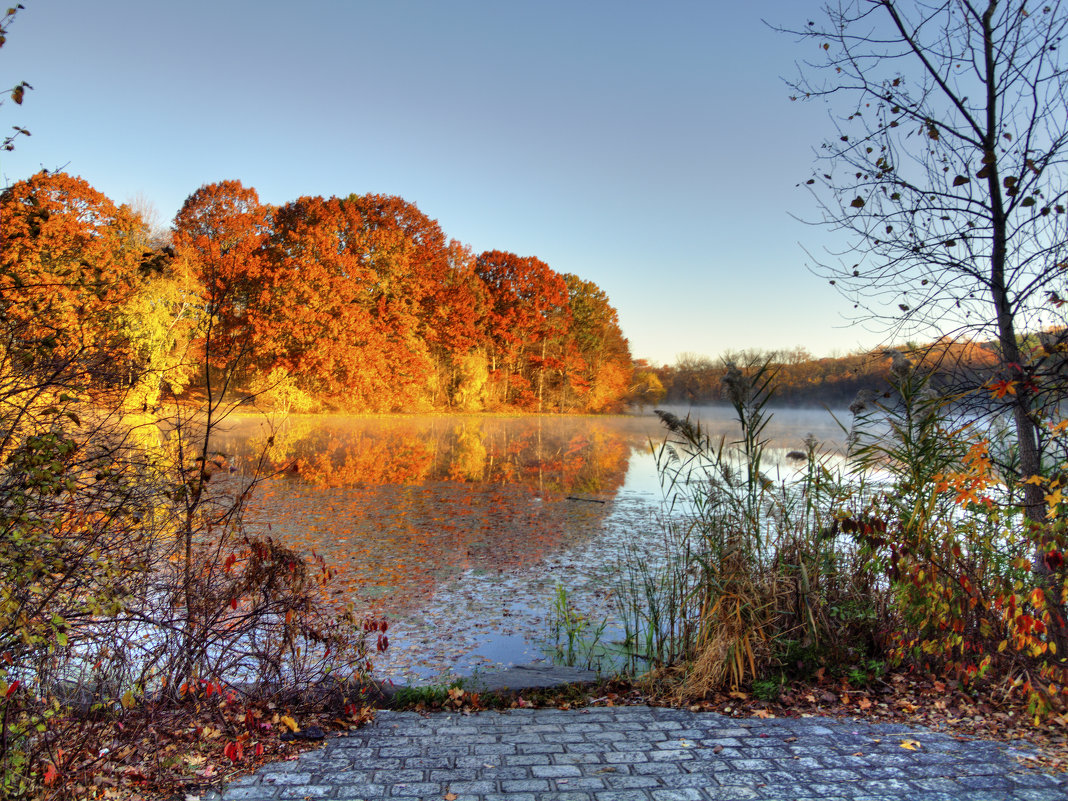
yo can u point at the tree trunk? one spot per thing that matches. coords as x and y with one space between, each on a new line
1034 506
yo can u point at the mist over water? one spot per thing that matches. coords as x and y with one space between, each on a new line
787 428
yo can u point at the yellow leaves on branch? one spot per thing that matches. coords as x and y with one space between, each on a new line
970 482
1053 500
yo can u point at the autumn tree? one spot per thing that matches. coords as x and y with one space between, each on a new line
946 174
220 230
527 321
161 322
342 316
69 259
455 316
646 388
318 324
410 259
605 369
694 379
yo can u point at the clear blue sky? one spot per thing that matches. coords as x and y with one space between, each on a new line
648 147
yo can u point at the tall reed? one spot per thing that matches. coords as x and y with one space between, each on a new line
754 572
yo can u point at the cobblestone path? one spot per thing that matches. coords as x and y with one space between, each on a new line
640 753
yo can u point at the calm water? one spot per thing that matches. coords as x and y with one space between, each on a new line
460 528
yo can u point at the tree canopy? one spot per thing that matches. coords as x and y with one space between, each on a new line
358 302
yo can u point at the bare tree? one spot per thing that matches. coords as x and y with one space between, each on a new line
947 176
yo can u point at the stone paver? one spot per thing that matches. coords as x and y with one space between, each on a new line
641 753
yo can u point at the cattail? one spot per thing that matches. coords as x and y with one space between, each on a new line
737 387
900 366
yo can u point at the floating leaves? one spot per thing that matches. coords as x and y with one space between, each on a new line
464 569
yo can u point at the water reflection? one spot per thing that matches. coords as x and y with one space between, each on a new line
460 528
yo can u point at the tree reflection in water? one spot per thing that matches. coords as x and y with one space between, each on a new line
458 528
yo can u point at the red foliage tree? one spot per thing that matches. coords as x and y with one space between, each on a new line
526 326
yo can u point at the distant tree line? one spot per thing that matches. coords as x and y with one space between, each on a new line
801 379
359 303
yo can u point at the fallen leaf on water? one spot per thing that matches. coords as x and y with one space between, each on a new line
911 745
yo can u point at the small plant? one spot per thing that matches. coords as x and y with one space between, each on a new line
576 640
975 585
768 689
864 674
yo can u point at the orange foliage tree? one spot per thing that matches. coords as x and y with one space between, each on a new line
360 302
69 259
604 368
526 325
455 318
220 230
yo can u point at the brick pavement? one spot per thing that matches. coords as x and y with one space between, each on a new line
641 753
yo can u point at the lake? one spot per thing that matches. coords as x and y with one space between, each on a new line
460 529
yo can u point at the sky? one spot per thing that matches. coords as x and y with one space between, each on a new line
648 147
